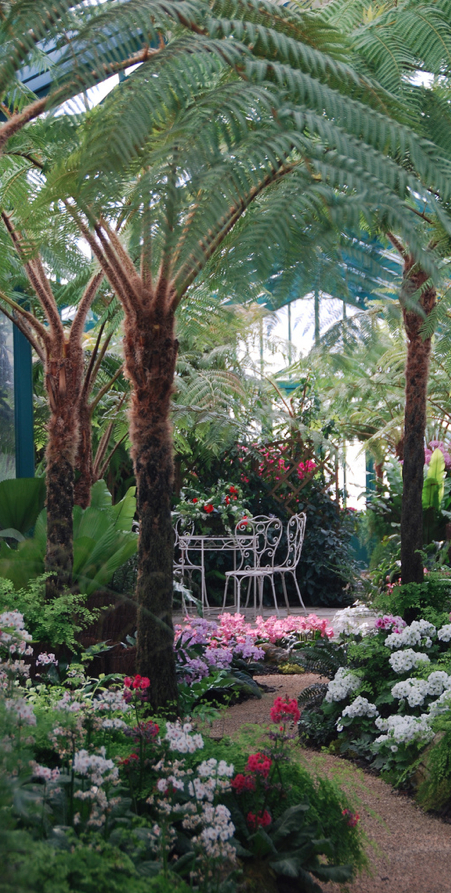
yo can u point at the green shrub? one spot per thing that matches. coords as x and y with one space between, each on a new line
411 600
55 622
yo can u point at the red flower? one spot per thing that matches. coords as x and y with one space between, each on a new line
352 818
145 682
195 499
209 508
233 490
259 763
227 500
136 682
242 783
260 819
281 710
128 682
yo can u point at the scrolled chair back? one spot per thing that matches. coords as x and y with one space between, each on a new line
295 539
258 539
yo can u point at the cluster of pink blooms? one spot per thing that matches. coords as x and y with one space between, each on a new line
352 818
276 466
276 629
389 621
438 445
305 468
231 635
282 710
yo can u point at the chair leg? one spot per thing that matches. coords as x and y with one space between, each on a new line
237 608
285 595
274 594
225 593
298 591
248 592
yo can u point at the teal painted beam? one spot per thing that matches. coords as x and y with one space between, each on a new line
23 406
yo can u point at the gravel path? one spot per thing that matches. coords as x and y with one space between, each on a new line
409 851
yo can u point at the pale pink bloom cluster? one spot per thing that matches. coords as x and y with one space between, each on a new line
44 772
276 629
23 710
46 660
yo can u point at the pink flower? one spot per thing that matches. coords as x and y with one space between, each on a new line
128 682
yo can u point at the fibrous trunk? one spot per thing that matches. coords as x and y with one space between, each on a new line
62 379
417 367
150 354
83 461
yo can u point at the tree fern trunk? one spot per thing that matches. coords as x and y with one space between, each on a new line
62 379
150 354
417 368
83 462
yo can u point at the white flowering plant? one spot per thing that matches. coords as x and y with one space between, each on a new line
383 703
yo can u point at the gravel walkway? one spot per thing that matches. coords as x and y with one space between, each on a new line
409 851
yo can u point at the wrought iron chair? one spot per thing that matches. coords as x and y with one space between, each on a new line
257 541
182 561
295 539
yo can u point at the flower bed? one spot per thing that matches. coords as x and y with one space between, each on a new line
98 794
389 698
204 647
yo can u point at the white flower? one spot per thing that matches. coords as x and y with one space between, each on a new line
343 683
95 765
180 739
403 661
22 708
403 729
414 690
442 704
412 635
360 707
444 634
114 724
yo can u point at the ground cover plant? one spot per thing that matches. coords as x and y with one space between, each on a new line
98 793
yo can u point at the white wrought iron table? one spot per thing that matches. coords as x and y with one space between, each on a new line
197 543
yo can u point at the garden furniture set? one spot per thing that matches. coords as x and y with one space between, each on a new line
254 544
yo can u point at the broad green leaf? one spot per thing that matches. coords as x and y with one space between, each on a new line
100 496
21 500
434 487
12 534
124 511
